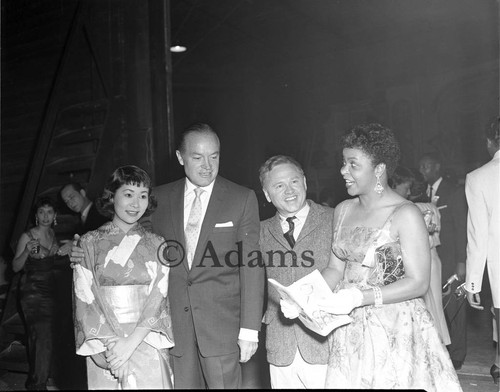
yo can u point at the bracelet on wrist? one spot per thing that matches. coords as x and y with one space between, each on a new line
377 294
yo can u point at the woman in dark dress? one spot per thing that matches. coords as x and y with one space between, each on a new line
36 252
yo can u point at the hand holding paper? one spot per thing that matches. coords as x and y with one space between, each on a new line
289 310
300 300
342 302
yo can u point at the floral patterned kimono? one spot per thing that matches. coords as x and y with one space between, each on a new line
122 285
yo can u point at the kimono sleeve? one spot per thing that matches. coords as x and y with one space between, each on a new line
91 319
155 314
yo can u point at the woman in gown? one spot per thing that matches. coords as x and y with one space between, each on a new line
379 270
36 254
122 315
411 185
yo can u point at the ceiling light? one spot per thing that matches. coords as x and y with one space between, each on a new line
178 48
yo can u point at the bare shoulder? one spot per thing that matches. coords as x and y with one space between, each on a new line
408 216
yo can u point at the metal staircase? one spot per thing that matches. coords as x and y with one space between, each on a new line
71 142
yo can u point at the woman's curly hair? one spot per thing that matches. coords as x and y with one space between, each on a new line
377 142
125 175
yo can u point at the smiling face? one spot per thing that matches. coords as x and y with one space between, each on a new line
200 157
358 171
285 186
130 203
45 216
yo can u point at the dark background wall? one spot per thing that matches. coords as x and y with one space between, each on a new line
281 76
291 76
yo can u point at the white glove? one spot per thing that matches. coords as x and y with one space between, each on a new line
344 301
289 310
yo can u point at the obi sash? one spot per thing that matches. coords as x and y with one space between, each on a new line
126 301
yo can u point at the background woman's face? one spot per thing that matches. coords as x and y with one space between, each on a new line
45 215
403 189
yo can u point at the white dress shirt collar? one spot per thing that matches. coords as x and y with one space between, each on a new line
435 186
190 187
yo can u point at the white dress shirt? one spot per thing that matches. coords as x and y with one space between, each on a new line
435 187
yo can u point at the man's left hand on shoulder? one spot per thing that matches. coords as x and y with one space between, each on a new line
247 349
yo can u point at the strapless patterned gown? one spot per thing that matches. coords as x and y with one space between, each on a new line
391 346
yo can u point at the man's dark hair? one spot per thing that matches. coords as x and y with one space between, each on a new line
274 161
75 185
492 131
195 128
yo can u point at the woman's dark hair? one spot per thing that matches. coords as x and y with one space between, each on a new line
125 175
401 175
418 190
42 201
377 142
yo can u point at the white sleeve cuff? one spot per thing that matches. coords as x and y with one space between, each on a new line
158 340
250 335
91 347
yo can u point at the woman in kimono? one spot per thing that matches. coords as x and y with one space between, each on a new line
122 314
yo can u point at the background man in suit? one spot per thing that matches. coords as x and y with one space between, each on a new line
77 201
451 202
216 301
297 356
482 188
75 197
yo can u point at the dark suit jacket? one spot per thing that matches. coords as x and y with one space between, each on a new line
453 234
222 296
284 336
94 220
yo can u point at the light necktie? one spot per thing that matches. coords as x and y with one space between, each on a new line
193 226
289 234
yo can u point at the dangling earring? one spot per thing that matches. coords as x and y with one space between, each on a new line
378 186
36 220
55 220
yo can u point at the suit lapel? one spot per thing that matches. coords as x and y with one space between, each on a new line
443 192
177 214
277 232
312 221
215 203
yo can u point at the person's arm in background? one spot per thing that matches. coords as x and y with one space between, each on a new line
477 241
24 247
458 204
252 280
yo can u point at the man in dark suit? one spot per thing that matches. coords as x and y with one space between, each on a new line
451 203
297 356
73 366
75 197
216 300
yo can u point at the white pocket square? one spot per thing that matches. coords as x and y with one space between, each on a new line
225 224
